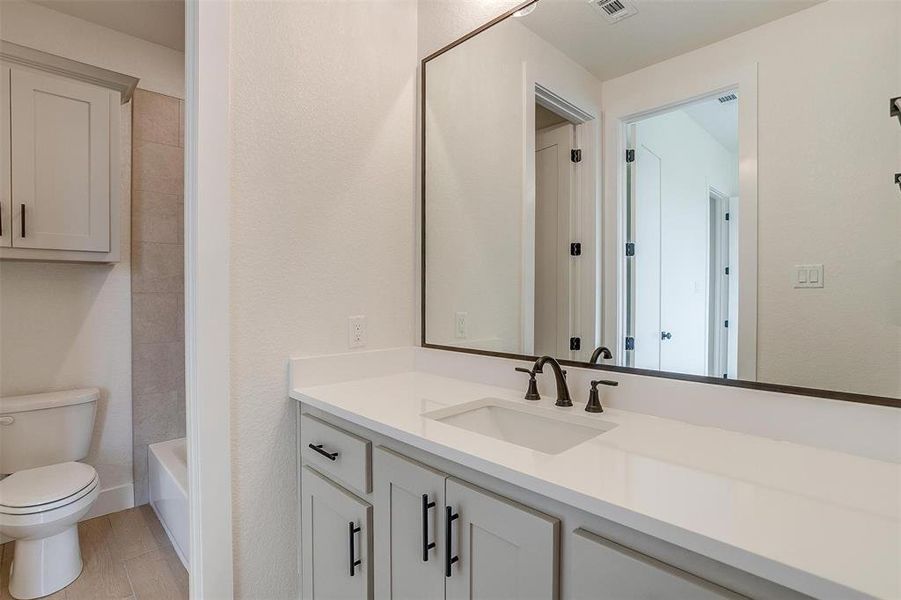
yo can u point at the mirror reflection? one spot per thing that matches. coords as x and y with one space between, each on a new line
699 188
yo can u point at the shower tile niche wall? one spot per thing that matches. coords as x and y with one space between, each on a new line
157 277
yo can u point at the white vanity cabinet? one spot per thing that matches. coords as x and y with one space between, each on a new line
600 568
440 537
60 158
337 540
504 549
431 529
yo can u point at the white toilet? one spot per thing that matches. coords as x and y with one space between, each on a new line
46 492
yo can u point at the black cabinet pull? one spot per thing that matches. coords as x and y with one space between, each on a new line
426 544
1 219
23 221
328 455
351 530
449 517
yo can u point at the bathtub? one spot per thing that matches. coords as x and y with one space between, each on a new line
168 482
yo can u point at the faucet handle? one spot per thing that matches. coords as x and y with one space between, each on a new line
594 400
532 392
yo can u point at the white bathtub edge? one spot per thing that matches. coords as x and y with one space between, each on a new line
167 483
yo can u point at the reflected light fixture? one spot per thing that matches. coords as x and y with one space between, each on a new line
526 10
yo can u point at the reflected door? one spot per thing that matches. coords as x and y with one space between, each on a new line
553 189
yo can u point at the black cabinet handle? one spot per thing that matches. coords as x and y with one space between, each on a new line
449 517
328 455
426 544
23 221
1 219
351 530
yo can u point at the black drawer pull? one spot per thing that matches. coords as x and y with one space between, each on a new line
351 530
426 544
23 221
328 455
449 517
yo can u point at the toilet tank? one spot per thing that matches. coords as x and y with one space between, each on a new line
44 429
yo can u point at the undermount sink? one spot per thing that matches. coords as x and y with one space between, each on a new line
542 429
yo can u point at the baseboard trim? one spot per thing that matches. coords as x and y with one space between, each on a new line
112 500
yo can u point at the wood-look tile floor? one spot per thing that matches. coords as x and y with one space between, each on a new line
126 555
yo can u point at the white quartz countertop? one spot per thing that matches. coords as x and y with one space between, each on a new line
818 521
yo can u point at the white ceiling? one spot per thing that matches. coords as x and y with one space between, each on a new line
159 21
720 120
661 29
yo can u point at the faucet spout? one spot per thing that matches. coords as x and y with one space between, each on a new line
563 397
600 352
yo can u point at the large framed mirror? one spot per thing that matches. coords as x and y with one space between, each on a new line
700 190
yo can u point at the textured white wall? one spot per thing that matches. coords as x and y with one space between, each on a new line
160 69
322 106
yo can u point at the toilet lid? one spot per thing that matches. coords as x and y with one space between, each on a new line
44 485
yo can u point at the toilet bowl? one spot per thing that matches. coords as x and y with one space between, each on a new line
46 491
40 509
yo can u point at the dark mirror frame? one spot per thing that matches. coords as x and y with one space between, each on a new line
753 385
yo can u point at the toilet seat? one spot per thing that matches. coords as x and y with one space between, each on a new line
46 488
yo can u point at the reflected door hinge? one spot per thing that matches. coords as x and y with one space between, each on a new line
630 248
727 323
727 270
575 249
575 155
575 343
898 179
630 155
727 216
630 343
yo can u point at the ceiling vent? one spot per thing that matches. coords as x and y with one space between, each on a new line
727 98
615 10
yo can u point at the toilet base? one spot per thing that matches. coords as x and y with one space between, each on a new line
46 565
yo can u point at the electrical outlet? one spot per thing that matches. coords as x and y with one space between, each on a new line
460 325
356 331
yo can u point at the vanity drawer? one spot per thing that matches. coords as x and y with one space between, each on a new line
337 453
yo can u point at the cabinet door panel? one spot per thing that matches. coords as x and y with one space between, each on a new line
5 189
600 569
327 512
505 550
403 571
60 163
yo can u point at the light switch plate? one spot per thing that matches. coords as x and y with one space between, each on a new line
808 276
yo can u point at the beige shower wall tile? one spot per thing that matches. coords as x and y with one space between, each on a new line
158 168
156 368
155 318
181 123
156 217
156 118
157 268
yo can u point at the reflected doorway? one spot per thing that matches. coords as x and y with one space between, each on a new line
681 255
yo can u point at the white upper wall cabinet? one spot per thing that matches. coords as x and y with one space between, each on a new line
61 145
60 158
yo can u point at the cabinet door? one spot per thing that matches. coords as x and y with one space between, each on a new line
5 191
502 549
600 569
336 531
60 163
409 501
